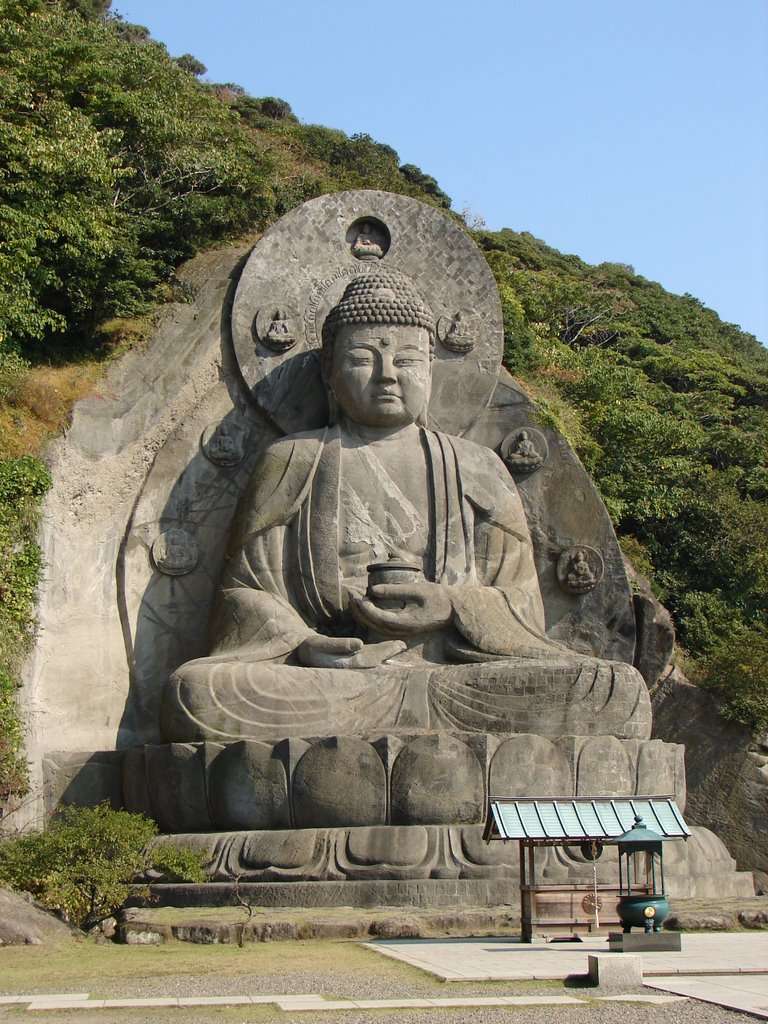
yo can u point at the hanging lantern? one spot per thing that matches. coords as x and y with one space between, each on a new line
642 900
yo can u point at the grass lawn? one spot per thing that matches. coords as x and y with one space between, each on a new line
85 965
334 969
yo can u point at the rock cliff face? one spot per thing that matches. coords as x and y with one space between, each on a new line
726 770
136 526
84 666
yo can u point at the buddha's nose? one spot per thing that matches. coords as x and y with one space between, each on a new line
387 370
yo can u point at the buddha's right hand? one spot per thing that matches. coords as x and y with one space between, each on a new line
320 651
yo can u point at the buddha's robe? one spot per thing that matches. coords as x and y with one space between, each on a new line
308 528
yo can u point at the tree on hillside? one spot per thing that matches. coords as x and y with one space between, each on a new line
116 164
90 10
191 64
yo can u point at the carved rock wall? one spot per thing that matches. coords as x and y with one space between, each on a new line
567 518
147 479
83 670
145 487
727 771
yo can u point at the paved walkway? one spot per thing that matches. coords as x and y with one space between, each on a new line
310 1002
737 991
727 969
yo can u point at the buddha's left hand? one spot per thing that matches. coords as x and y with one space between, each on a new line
426 607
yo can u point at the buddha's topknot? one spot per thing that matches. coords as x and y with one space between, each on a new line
381 296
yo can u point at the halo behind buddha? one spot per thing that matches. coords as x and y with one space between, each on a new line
307 261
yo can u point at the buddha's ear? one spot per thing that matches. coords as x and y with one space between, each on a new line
326 371
333 405
422 420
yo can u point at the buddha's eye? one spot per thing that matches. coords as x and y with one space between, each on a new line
405 361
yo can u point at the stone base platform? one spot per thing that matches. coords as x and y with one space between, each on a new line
431 893
391 820
420 866
644 942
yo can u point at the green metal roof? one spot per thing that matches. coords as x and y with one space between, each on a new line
577 820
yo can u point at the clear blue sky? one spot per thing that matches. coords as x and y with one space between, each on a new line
634 132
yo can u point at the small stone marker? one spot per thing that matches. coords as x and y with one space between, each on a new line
615 973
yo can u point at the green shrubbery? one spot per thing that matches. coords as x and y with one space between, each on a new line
13 768
117 163
82 864
737 668
13 372
23 482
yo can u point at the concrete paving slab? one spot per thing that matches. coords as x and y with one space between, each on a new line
470 1001
301 997
541 1000
642 997
511 960
307 996
273 1000
221 1000
320 1004
59 996
157 1001
729 969
68 1004
748 993
392 1004
484 959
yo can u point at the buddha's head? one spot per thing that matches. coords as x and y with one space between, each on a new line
377 351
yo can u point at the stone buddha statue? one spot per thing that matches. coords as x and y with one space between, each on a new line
382 622
311 638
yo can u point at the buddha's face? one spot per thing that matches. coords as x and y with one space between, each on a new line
381 373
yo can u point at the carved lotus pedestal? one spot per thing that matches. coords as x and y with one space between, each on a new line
391 780
393 819
387 819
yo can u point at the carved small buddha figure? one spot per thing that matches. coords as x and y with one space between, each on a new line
175 554
580 575
368 243
280 336
305 644
524 448
222 447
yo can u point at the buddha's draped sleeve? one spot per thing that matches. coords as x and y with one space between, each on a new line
497 606
256 617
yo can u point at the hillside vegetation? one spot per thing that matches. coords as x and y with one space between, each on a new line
117 162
